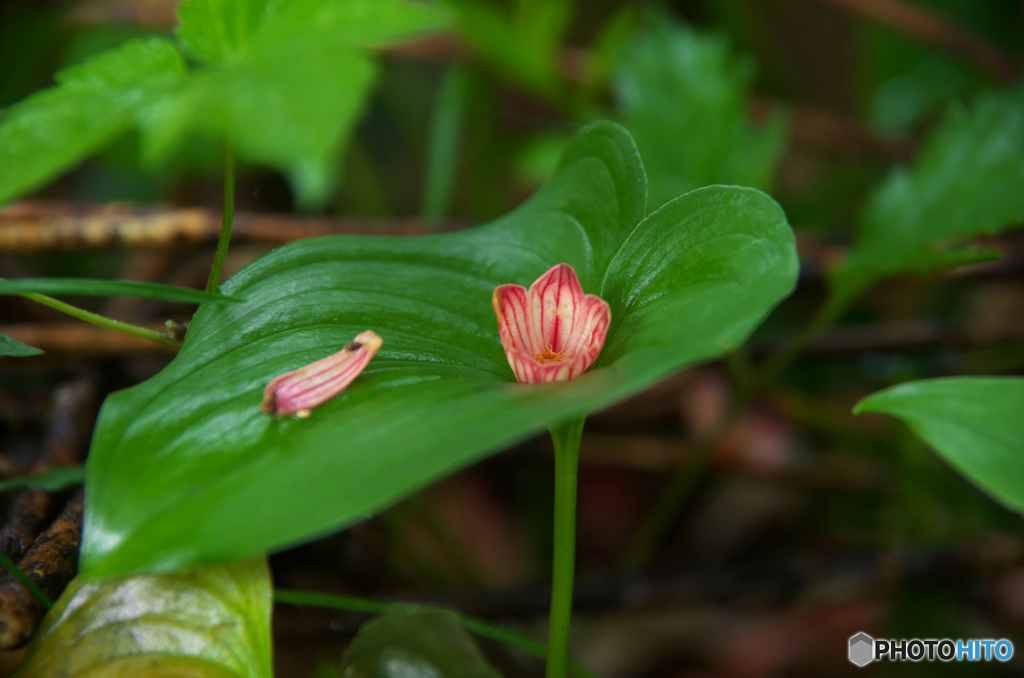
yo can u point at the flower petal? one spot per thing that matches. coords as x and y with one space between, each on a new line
593 315
299 391
511 306
554 300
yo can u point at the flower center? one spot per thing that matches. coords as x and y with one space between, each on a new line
549 356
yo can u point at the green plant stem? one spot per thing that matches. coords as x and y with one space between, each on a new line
26 582
444 144
834 307
226 221
566 439
660 519
102 321
480 628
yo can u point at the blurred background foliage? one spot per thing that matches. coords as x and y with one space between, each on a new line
804 525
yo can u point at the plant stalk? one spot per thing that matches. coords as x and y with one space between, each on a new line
227 220
103 321
566 439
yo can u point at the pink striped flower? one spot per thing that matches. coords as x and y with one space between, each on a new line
298 392
551 332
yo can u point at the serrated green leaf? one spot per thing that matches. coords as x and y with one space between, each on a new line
209 622
966 182
108 288
182 466
683 97
404 642
54 480
291 100
92 103
219 30
974 423
352 22
289 106
16 349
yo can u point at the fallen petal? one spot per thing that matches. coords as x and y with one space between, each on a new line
301 390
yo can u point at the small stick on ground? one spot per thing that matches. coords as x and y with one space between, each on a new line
50 563
32 507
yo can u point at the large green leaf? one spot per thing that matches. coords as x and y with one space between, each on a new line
92 103
683 97
403 642
290 99
211 622
184 468
217 30
966 182
974 423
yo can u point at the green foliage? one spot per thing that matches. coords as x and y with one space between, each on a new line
54 480
402 642
286 85
966 182
92 103
974 423
15 348
219 30
182 465
108 288
290 98
683 97
210 622
523 42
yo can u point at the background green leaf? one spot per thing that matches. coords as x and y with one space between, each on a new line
966 182
211 622
15 348
402 642
683 97
108 288
92 103
182 465
217 30
55 479
291 98
974 423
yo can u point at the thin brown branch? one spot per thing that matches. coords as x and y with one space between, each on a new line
70 425
920 23
82 339
50 563
40 226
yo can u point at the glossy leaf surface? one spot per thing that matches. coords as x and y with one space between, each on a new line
108 288
966 182
683 97
427 643
184 468
15 348
92 103
211 622
974 423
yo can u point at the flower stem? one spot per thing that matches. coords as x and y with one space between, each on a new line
227 220
566 438
103 321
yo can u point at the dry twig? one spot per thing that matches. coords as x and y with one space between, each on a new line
920 23
50 563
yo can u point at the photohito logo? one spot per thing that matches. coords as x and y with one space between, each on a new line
864 649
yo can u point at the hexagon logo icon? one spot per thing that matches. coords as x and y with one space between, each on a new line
862 649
